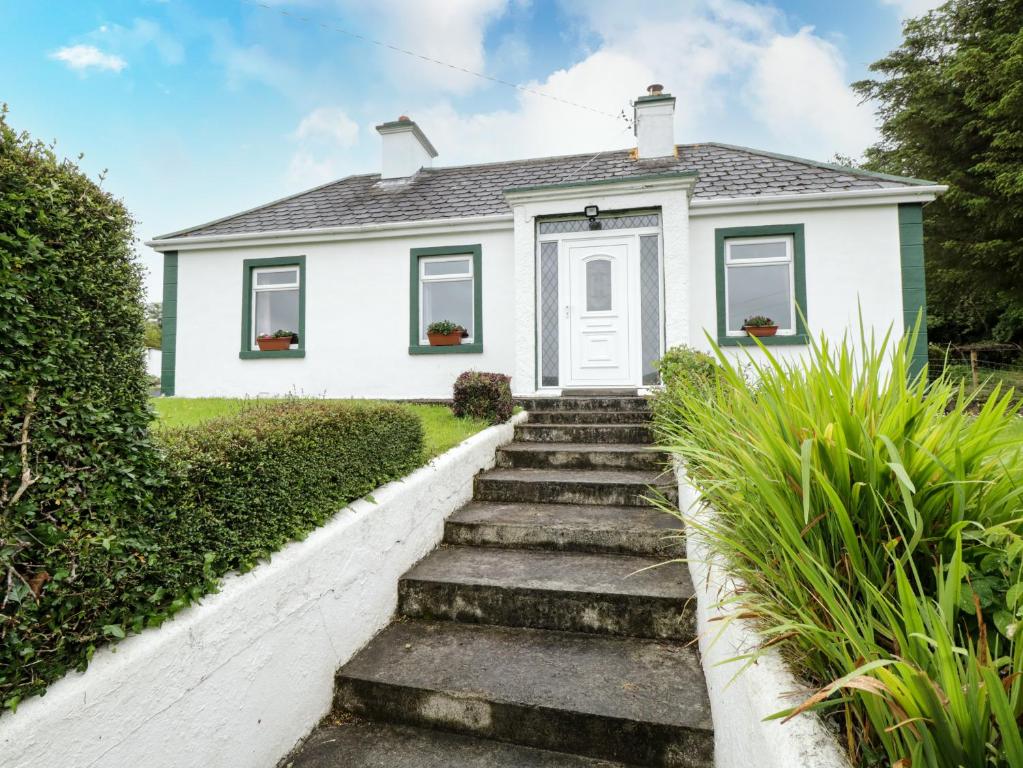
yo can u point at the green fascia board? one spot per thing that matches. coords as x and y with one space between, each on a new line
415 345
829 166
605 181
914 282
169 324
248 265
796 232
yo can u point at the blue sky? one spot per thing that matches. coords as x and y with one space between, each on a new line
199 108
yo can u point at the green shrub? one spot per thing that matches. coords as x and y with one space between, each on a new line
244 485
76 463
484 396
879 538
682 369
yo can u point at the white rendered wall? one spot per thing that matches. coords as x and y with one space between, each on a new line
852 255
740 701
240 678
356 323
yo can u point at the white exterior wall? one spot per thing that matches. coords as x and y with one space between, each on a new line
852 264
238 679
356 323
357 292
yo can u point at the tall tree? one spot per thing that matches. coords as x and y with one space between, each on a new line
950 99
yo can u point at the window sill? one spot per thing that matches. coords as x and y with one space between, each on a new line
255 354
799 339
454 349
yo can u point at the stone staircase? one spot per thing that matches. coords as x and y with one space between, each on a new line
535 635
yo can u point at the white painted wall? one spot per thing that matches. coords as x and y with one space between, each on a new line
852 255
356 325
741 702
154 358
240 678
357 305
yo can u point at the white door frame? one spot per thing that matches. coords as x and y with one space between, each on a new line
635 329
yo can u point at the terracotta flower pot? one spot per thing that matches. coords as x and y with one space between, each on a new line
445 339
274 344
761 330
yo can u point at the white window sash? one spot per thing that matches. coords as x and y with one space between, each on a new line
783 330
468 276
257 289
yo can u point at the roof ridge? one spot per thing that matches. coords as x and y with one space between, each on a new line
820 164
521 161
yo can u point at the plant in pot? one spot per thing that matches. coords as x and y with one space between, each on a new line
759 325
274 342
444 333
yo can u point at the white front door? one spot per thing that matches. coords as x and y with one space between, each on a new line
598 312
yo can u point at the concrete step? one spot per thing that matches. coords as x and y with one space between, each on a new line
382 745
580 456
566 527
601 403
583 433
620 595
566 486
638 701
589 417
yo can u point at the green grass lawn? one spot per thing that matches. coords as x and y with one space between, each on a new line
442 430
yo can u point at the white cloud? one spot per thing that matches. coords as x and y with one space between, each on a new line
451 31
143 34
738 74
911 8
322 136
331 123
798 91
85 57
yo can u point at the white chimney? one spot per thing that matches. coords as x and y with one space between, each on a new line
654 123
405 149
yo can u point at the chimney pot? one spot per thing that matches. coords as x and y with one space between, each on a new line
655 89
404 119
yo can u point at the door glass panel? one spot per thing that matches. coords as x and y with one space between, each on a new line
276 311
448 300
598 285
759 290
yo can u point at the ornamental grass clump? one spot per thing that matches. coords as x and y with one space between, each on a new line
878 529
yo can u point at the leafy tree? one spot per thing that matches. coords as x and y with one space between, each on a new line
951 103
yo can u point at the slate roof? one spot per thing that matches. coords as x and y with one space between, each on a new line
456 192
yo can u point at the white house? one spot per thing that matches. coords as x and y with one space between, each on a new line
565 272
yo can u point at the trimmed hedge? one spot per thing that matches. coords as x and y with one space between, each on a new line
245 485
483 396
77 467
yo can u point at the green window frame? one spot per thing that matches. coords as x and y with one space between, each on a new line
795 231
416 346
248 267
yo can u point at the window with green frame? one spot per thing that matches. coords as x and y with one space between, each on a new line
446 283
761 271
273 299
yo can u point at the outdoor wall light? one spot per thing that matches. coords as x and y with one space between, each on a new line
591 212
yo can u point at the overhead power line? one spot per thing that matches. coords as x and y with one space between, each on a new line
398 49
